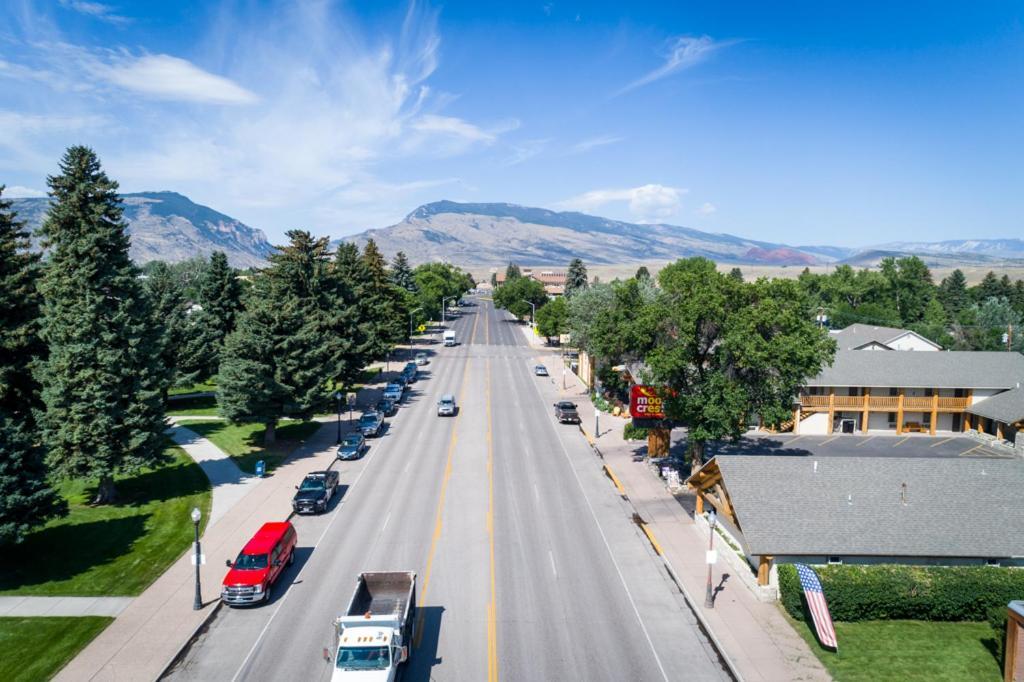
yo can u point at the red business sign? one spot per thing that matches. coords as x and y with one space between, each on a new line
645 403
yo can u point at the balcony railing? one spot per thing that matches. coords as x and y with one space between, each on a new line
885 403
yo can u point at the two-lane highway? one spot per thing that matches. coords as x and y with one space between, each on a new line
529 565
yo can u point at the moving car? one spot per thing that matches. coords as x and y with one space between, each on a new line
565 412
421 359
259 564
385 406
315 492
393 392
370 424
540 370
446 406
353 445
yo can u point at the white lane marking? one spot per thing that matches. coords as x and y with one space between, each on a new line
386 519
553 569
607 546
287 594
536 492
407 465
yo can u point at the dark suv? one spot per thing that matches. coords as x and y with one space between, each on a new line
315 493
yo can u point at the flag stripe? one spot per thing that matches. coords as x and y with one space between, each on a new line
817 605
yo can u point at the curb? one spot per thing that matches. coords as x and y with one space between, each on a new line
180 654
687 597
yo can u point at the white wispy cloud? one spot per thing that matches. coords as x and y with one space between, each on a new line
594 142
526 150
19 192
165 77
450 125
684 52
647 203
707 208
97 10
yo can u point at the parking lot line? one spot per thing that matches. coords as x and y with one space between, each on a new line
969 451
902 440
828 440
788 442
865 440
944 440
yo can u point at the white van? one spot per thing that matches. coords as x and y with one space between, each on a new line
449 338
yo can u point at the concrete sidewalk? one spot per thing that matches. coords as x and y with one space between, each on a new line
19 607
755 636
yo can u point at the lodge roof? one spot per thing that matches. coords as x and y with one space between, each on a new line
1006 407
861 506
910 369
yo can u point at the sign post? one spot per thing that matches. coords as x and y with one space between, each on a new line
647 408
350 398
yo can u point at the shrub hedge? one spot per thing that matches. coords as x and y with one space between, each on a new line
630 432
893 592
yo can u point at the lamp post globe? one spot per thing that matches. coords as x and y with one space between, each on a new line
337 395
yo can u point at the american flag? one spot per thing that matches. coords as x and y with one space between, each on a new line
817 606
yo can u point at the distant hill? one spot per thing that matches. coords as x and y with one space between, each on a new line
168 226
999 249
486 234
870 258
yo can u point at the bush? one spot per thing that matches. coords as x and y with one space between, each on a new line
997 619
893 592
630 432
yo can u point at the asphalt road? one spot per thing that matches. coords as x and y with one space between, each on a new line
529 566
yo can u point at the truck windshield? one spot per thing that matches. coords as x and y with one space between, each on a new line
364 658
250 562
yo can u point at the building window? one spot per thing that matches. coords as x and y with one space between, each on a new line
835 561
992 562
892 419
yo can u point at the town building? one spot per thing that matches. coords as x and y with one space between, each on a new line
553 280
870 337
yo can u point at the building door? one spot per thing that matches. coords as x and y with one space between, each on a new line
958 422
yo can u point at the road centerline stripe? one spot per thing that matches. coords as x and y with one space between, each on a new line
492 608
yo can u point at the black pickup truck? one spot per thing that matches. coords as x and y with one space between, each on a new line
565 412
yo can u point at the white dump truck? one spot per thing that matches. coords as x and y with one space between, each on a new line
375 634
449 338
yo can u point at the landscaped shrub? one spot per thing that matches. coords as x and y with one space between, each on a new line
891 592
997 619
630 432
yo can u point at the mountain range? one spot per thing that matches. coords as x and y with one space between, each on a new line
169 226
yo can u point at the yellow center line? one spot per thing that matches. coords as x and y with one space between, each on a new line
944 440
439 522
492 608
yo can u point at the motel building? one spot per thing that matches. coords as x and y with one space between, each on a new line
873 387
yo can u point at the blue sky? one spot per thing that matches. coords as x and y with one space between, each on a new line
849 124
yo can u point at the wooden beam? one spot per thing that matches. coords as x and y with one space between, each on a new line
699 509
999 430
899 414
967 421
796 418
831 407
935 409
764 569
866 412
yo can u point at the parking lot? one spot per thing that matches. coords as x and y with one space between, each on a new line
855 445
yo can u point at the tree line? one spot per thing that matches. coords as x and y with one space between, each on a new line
90 344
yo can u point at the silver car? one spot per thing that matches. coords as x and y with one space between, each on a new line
446 406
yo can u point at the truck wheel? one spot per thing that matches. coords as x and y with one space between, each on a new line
266 593
291 557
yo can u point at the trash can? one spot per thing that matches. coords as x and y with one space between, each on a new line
261 468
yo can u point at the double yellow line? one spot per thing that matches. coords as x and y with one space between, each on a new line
492 607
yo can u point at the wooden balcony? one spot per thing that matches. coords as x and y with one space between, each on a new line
882 403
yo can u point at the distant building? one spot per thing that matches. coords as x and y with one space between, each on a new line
869 337
553 280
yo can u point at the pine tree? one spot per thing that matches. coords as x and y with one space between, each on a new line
168 305
103 381
401 273
209 323
736 274
989 287
953 293
642 273
26 499
386 300
220 294
512 272
281 356
576 277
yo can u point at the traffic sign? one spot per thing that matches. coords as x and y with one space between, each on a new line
422 328
350 398
202 559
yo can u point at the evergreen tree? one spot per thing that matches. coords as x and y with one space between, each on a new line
401 273
494 280
736 274
207 324
387 322
512 272
953 293
990 287
103 381
26 499
1017 297
909 284
575 277
641 273
280 357
168 306
220 293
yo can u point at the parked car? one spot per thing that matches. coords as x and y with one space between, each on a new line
540 370
565 412
412 371
385 406
393 392
370 424
446 406
353 445
421 359
260 563
315 492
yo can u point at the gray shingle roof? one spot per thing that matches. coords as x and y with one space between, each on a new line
940 369
852 506
857 335
1005 407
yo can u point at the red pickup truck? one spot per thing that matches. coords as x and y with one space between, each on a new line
259 564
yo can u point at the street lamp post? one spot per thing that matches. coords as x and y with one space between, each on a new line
197 603
337 395
411 313
709 598
533 315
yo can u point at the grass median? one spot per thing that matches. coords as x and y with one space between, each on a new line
908 650
115 549
244 442
36 648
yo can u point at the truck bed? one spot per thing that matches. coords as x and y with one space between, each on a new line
381 594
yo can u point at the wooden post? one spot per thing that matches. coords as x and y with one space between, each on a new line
831 407
967 421
764 569
699 508
796 418
999 430
866 411
657 442
935 409
899 414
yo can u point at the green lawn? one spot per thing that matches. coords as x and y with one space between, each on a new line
197 388
116 549
908 650
36 648
244 442
206 405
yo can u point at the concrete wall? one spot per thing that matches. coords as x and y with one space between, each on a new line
815 425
